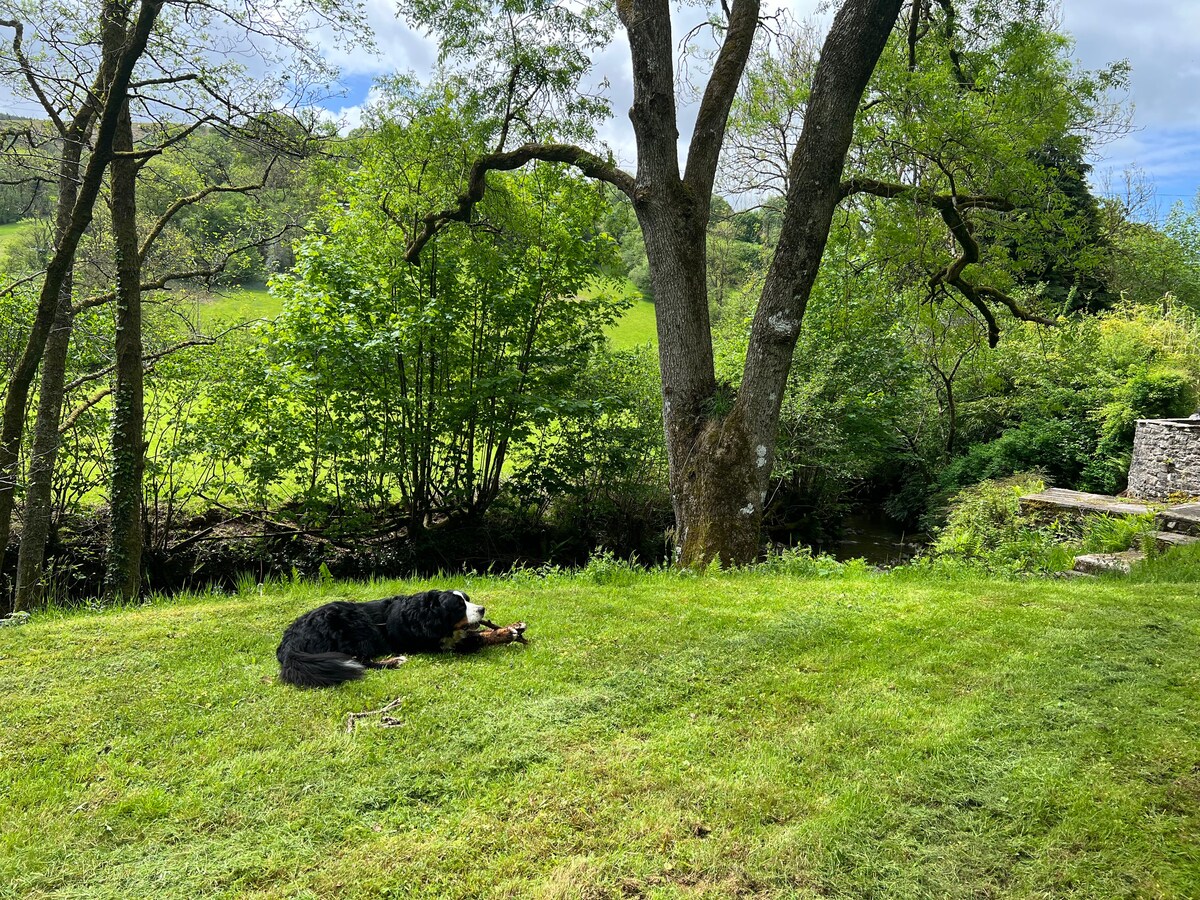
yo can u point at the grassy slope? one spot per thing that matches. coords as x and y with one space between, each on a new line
734 736
14 231
239 304
636 326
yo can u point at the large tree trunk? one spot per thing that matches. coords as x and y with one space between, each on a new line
719 447
123 572
121 50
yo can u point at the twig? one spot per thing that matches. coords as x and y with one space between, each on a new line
385 721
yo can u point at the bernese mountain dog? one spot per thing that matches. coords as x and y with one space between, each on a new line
339 641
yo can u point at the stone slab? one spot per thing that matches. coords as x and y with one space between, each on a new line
1059 501
1183 519
1100 563
1167 539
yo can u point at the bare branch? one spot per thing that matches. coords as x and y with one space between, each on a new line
27 70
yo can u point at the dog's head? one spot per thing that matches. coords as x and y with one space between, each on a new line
460 612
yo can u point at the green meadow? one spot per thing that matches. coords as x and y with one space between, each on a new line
242 304
662 736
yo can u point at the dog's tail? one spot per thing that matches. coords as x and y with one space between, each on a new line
318 669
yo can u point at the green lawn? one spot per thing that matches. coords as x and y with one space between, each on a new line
749 736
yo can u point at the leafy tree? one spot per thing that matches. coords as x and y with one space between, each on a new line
159 57
383 382
935 125
718 448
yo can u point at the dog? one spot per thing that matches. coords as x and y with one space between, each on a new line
339 641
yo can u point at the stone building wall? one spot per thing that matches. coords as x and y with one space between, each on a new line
1166 458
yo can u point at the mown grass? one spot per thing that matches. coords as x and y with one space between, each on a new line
663 737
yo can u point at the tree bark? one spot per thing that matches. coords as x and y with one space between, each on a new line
720 448
39 489
856 39
123 571
121 49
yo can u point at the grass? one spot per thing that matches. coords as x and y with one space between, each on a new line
635 328
239 304
754 736
15 231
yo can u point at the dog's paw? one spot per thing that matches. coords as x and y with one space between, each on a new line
393 662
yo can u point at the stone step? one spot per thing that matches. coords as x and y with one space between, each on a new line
1183 519
1115 563
1168 539
1061 502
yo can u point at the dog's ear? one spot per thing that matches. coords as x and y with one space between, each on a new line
454 605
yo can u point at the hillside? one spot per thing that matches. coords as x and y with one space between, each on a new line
663 736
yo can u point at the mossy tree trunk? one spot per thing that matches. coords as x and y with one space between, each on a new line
122 45
123 569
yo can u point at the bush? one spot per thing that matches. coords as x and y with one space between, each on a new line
986 528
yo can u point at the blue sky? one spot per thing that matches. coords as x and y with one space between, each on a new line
1160 39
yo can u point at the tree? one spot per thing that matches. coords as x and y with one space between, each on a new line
719 446
184 85
123 571
123 39
383 384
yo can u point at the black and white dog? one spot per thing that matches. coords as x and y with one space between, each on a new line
339 641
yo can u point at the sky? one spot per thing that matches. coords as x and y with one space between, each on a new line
1159 38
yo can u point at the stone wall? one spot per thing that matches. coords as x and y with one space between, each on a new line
1166 458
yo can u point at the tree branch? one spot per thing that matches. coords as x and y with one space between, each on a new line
18 28
197 197
712 119
588 163
951 207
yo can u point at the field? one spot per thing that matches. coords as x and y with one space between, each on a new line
663 736
15 230
635 328
239 304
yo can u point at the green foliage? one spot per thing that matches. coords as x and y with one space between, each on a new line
1064 400
386 382
606 446
986 528
1112 534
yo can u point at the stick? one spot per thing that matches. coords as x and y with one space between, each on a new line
352 718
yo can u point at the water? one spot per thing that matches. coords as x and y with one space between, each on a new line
880 540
